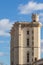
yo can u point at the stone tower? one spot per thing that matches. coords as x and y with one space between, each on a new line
25 42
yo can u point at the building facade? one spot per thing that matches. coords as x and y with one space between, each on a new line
38 62
25 42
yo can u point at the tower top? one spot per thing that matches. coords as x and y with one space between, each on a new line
35 17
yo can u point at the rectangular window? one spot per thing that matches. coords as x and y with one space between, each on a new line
28 32
27 57
27 42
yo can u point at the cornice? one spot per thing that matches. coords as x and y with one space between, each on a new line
24 24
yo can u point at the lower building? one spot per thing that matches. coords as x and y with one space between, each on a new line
38 62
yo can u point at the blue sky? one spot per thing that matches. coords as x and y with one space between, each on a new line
16 10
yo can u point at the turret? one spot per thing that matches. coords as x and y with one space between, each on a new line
35 17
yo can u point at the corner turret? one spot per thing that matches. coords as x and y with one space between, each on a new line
35 17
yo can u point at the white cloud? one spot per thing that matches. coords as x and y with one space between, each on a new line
41 20
1 41
41 44
41 50
41 40
3 54
3 33
30 7
7 47
41 14
5 26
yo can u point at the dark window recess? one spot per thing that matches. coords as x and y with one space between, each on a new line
11 63
35 59
27 64
27 42
34 20
28 57
28 32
